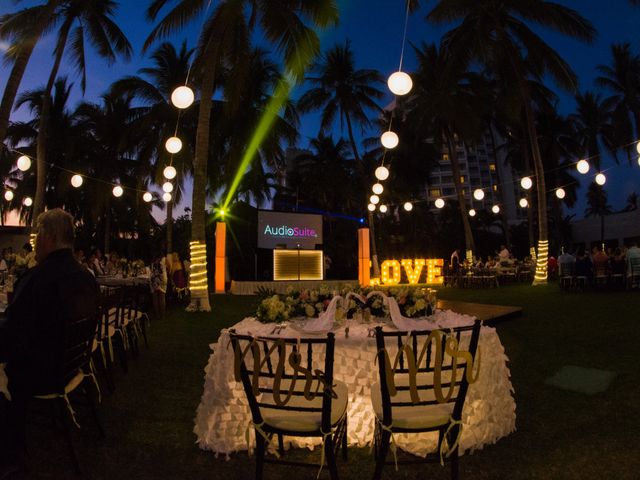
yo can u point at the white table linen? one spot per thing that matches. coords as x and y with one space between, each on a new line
489 413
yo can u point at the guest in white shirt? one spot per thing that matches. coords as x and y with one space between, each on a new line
504 253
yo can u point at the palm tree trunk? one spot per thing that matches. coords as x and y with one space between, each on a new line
198 283
503 218
20 65
462 204
602 229
43 124
107 225
169 226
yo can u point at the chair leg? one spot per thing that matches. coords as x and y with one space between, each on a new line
383 449
344 441
330 455
454 465
260 447
61 408
280 445
122 354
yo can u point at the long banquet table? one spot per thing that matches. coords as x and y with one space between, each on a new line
223 414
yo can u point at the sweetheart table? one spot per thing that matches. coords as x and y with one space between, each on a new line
223 414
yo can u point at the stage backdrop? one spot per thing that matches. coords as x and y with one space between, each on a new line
289 230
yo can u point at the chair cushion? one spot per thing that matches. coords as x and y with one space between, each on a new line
305 421
413 417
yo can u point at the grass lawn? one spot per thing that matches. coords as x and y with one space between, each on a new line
560 434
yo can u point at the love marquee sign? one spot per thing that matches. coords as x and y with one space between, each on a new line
418 270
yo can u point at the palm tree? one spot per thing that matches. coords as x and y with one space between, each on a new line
448 105
597 205
226 35
593 126
632 202
23 30
498 35
92 18
339 90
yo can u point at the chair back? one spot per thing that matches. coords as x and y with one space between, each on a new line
78 338
634 266
275 370
431 365
567 269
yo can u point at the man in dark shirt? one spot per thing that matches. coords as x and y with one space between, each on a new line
57 291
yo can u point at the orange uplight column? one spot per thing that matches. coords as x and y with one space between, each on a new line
363 257
221 236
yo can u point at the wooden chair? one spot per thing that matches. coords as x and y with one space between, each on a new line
410 398
633 276
567 270
300 401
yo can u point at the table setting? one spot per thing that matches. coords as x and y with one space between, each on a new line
223 414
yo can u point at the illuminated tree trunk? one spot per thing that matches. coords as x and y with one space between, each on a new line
169 226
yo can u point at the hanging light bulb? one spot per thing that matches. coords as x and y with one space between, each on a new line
375 199
478 194
8 195
472 212
377 188
523 203
382 173
495 209
182 97
27 202
389 139
170 172
408 206
167 187
147 197
117 191
560 193
76 181
400 83
24 163
601 179
371 207
383 209
439 203
638 147
583 166
173 145
166 196
526 183
638 161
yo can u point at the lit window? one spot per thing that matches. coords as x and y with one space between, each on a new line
492 167
445 157
462 179
434 192
495 188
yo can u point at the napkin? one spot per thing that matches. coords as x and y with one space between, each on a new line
403 323
325 320
4 382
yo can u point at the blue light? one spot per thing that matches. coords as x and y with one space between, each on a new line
361 220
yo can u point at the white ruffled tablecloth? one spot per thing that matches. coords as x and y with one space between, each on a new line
489 413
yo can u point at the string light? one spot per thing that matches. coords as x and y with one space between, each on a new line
8 195
583 166
27 202
495 209
408 206
117 191
182 97
523 203
638 147
439 203
173 145
560 193
472 212
198 275
167 187
478 194
147 197
170 172
601 179
541 262
400 83
77 181
389 140
166 196
526 183
383 209
23 163
382 173
377 188
371 207
375 199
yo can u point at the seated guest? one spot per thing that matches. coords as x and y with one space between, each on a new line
600 261
617 262
95 263
566 261
111 267
583 264
633 257
57 291
504 253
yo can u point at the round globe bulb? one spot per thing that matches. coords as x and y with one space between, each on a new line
375 199
170 172
400 83
167 187
439 203
371 207
76 181
382 173
408 206
182 97
583 166
389 140
166 196
523 203
601 179
478 194
27 202
117 191
8 195
472 213
526 183
560 193
147 197
638 147
377 188
639 161
24 163
383 209
173 145
495 209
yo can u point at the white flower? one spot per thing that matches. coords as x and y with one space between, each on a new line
309 311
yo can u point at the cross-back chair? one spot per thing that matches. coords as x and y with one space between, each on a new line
291 391
424 378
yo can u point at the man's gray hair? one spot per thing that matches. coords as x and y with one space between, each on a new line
57 225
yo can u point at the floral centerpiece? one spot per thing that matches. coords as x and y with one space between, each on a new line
136 268
273 310
123 267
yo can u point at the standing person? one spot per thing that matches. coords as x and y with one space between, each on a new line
46 299
178 276
455 261
327 265
504 253
158 281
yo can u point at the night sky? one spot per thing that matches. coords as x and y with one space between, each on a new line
375 30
